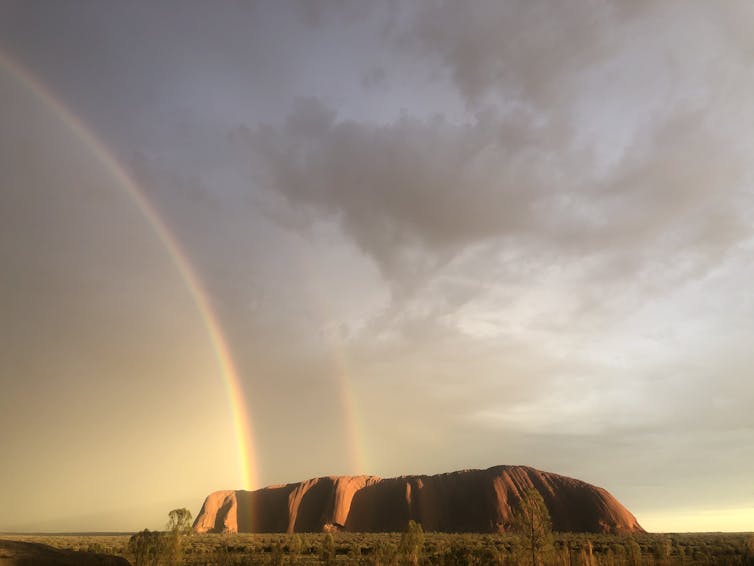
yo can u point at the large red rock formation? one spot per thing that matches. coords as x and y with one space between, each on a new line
465 501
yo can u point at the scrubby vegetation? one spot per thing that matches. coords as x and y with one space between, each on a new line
417 547
153 548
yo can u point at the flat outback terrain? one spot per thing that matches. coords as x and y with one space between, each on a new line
692 549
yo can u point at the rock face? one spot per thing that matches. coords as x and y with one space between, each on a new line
466 501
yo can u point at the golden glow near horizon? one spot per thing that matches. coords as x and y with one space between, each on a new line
732 520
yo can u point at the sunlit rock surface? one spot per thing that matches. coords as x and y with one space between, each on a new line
465 501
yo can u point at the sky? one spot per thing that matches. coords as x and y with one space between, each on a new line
250 243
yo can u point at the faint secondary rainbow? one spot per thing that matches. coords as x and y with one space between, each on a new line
241 421
354 437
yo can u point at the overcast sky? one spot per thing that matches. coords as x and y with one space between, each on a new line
437 236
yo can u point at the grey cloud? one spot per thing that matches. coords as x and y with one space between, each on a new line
526 50
322 12
549 168
398 189
542 53
374 78
415 193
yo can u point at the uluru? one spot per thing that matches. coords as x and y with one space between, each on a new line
473 501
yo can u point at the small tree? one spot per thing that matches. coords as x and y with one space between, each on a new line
749 551
532 522
663 548
384 554
276 558
295 546
634 553
412 541
179 521
179 525
327 550
146 547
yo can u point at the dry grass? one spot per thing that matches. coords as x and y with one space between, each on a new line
439 548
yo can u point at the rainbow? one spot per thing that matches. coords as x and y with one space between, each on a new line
248 471
354 439
357 459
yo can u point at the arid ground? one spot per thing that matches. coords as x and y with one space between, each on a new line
691 549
